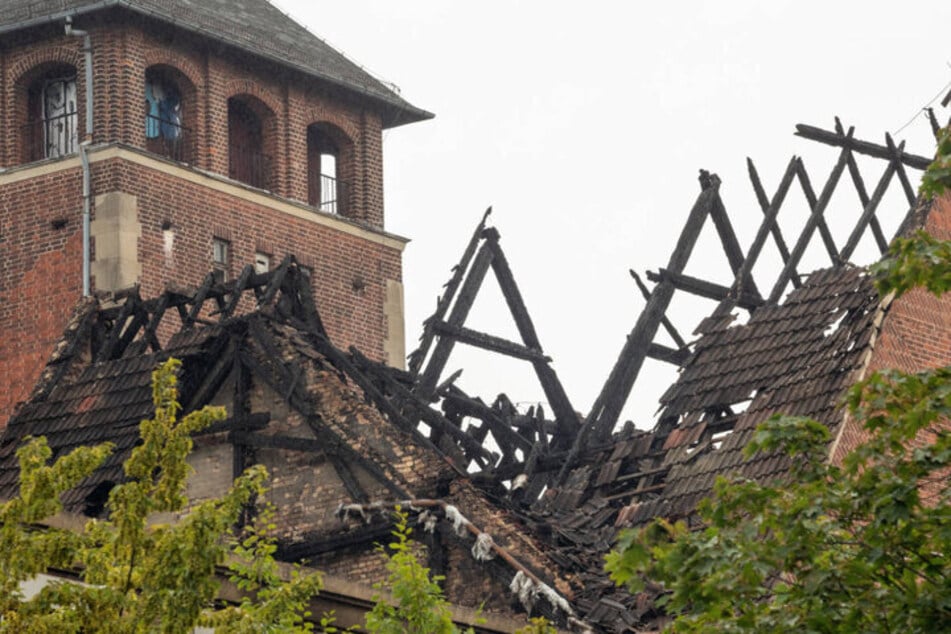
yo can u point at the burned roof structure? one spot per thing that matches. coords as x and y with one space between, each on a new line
518 507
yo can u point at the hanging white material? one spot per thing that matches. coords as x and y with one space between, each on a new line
60 119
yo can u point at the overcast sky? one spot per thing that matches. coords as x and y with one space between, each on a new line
584 126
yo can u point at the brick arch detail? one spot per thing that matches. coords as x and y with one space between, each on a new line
318 115
180 62
58 54
238 87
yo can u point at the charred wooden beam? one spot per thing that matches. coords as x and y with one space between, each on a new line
731 245
626 494
863 195
276 441
910 194
253 422
503 432
350 482
473 449
315 545
668 326
820 220
241 411
276 281
198 301
933 120
667 354
766 227
417 357
774 229
105 351
157 312
862 147
311 315
457 317
565 414
702 288
868 213
238 290
817 210
139 319
607 407
489 342
216 375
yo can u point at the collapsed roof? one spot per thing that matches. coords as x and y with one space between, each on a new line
552 490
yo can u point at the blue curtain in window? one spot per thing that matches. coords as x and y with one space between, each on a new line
152 106
164 107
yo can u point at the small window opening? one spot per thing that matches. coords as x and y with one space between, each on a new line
326 189
164 132
51 131
246 159
220 259
262 262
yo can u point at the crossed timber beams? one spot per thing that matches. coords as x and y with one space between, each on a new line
135 322
743 292
482 254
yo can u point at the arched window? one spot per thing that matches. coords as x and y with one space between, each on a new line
52 115
247 161
165 133
328 164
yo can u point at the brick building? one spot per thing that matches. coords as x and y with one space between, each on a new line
215 135
237 143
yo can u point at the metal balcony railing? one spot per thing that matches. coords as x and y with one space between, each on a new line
51 137
167 138
249 165
332 196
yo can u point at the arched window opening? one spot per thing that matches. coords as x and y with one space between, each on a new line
52 114
328 152
246 159
165 133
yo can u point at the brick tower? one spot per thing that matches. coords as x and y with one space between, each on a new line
148 142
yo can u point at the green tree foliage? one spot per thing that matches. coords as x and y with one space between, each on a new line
136 574
937 178
418 605
857 547
537 625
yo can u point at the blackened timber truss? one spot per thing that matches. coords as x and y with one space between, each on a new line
567 436
743 292
511 453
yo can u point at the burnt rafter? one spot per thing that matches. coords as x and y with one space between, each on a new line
446 327
131 318
743 293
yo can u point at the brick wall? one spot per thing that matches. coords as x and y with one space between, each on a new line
349 272
915 333
40 278
208 76
40 229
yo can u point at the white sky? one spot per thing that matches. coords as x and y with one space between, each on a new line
584 125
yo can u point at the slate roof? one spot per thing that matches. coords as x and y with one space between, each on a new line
255 26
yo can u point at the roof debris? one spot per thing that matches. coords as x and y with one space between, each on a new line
546 491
